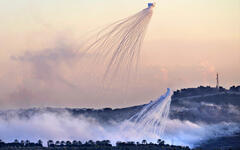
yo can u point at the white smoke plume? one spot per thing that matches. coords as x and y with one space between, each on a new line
153 117
118 45
48 125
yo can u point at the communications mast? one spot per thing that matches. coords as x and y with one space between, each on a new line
217 84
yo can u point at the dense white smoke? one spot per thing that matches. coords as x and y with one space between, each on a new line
49 126
192 134
64 126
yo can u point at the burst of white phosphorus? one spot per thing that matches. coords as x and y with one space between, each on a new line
153 116
119 44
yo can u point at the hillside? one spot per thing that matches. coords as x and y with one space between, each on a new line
204 104
206 107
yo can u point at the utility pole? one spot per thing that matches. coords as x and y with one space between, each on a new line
217 85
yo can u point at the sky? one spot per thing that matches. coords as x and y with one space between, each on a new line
186 44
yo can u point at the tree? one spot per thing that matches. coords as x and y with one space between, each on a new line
16 141
1 143
130 143
99 143
120 144
68 143
62 143
74 143
233 89
106 142
27 142
39 143
50 143
221 89
103 143
161 143
90 142
144 141
22 143
57 143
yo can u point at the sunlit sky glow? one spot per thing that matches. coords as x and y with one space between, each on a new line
187 42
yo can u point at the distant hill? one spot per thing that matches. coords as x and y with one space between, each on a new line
204 104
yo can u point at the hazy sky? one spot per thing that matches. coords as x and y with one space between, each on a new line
187 42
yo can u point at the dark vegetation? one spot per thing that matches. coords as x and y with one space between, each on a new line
206 104
89 145
202 104
229 142
201 91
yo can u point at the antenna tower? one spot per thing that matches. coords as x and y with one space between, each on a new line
217 85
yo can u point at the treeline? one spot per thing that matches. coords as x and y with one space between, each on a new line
89 145
21 144
201 90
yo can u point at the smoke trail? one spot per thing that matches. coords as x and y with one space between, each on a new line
119 44
153 117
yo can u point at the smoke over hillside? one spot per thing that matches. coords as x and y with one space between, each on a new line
193 120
